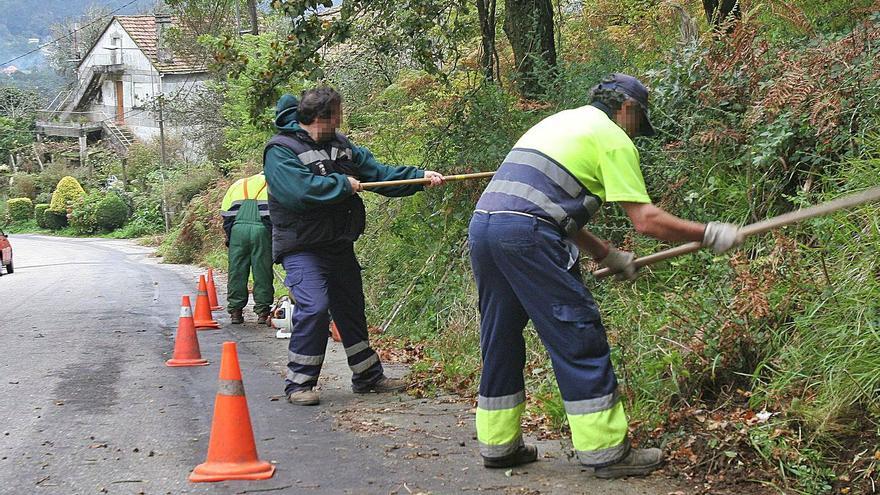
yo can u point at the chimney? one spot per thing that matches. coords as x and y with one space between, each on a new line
163 51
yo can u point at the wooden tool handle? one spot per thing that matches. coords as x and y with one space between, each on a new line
449 178
849 201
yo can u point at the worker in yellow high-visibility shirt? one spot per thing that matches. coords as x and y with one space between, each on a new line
524 236
245 211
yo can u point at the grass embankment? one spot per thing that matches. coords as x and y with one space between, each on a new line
759 365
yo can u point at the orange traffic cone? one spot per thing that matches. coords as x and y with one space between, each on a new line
203 319
334 332
212 292
186 344
232 453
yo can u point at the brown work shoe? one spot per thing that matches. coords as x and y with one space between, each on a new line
382 385
263 318
305 397
523 455
236 317
639 462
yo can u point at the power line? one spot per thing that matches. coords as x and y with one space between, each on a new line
56 40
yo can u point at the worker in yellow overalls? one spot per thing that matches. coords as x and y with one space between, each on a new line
245 211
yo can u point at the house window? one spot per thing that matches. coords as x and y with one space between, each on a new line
142 94
115 50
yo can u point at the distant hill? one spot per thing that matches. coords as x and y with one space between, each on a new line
25 20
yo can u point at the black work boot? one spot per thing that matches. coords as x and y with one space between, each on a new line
236 317
524 454
263 318
639 462
382 385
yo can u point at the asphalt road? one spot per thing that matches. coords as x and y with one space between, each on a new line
88 406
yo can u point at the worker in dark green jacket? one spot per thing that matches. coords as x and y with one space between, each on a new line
245 211
314 174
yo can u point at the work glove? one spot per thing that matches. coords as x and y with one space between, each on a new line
722 236
621 264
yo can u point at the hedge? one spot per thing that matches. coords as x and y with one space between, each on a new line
40 214
20 209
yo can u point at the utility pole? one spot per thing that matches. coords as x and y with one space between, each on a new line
252 10
163 163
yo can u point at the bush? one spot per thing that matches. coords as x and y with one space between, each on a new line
83 215
22 185
55 220
146 219
111 213
40 214
67 191
20 209
97 212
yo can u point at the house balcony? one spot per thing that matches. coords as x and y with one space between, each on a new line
112 64
69 124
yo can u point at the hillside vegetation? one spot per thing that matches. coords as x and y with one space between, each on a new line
756 371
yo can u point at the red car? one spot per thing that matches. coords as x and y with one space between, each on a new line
5 253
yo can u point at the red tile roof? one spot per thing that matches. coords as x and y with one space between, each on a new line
142 29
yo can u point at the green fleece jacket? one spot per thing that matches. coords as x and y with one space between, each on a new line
294 185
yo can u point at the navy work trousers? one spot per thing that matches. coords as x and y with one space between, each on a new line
322 281
520 266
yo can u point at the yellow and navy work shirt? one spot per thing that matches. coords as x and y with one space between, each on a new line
565 166
253 187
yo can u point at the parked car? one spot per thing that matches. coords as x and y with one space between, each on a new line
5 253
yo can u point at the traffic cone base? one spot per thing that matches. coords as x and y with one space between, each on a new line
221 471
186 343
203 318
212 292
186 362
232 452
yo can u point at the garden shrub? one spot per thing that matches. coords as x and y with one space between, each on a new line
55 220
20 209
22 185
66 192
111 212
83 216
40 214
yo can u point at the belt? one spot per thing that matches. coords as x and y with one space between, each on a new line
522 214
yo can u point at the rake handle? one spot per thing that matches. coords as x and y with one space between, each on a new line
448 178
844 202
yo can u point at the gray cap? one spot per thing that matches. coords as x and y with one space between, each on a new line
633 88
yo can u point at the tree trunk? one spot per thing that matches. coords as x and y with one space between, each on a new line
720 11
488 53
252 10
529 28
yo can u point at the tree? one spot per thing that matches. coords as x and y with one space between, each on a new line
18 104
529 28
79 34
488 52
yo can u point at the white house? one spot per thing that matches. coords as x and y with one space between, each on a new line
119 80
